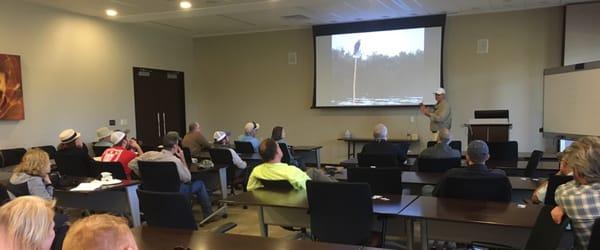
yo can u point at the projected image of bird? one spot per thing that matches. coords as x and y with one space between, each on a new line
356 53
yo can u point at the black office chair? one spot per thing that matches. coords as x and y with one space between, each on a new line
74 165
187 155
553 182
222 158
167 209
545 234
49 149
381 180
504 152
115 168
594 242
488 188
159 176
288 156
532 164
12 156
332 205
437 165
4 198
276 184
453 144
99 150
244 147
366 160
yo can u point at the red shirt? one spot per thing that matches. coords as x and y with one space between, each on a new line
120 154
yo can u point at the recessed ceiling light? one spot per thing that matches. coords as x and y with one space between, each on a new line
111 12
185 4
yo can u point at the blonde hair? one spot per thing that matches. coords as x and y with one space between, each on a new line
35 162
99 232
27 220
584 158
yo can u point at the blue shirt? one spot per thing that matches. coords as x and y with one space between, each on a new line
255 142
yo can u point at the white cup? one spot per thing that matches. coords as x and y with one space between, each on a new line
106 176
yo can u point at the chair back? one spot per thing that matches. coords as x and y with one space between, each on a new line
244 147
159 176
12 156
115 168
545 233
504 152
221 156
453 144
367 160
4 198
99 150
276 184
594 242
18 189
187 155
332 205
532 164
167 209
73 165
49 149
287 154
381 180
437 165
484 188
553 182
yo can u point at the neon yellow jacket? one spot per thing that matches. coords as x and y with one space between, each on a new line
277 171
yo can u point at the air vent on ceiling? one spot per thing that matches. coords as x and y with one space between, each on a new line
295 18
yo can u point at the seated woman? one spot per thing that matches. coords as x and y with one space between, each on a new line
27 223
30 177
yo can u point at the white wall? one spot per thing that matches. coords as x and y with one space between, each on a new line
77 70
246 77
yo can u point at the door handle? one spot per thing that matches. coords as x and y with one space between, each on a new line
158 123
164 125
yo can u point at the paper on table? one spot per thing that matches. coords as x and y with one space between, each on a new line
91 186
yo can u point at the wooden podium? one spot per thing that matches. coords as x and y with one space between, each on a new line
489 126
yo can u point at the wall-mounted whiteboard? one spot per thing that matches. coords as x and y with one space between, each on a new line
572 100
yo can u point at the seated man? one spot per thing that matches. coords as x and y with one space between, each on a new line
539 194
173 153
195 140
121 152
477 154
100 232
274 169
442 149
103 137
580 198
381 146
222 141
250 134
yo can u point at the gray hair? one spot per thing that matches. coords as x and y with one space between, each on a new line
380 132
584 157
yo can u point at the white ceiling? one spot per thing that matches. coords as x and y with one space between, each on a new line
218 17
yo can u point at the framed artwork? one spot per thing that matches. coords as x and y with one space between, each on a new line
11 89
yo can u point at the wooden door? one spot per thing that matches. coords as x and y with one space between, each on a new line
159 103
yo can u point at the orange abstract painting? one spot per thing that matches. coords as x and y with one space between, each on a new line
11 90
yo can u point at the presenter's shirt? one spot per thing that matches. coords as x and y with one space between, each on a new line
441 116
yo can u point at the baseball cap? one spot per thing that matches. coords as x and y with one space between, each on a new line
219 135
171 139
478 150
116 137
440 91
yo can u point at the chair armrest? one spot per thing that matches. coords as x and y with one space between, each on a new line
225 228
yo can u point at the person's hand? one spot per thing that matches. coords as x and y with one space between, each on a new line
557 213
534 198
423 109
46 179
179 153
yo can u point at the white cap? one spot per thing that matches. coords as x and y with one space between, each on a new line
440 91
116 137
251 126
219 135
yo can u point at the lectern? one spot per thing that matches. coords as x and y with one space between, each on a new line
489 126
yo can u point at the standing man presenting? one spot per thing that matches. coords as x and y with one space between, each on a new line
440 116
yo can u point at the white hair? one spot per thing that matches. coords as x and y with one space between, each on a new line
380 132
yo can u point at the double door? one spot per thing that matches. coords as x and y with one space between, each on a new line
159 104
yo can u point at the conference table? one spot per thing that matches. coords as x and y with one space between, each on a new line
467 221
289 207
309 154
119 198
150 238
353 141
